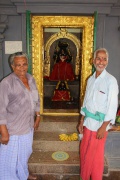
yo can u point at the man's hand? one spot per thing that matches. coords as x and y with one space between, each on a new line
37 121
101 131
4 134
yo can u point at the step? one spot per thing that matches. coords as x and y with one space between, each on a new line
56 118
62 127
43 165
46 164
58 123
49 141
61 111
46 142
58 177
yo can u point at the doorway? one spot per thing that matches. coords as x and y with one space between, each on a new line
47 31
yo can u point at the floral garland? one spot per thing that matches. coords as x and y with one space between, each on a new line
68 137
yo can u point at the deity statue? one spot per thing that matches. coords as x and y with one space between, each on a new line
61 92
62 69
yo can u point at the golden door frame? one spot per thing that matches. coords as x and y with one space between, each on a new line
38 25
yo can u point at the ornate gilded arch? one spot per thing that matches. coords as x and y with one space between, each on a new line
38 25
62 34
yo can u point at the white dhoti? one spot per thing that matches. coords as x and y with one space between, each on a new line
14 157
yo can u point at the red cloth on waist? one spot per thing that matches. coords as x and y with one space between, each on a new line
92 155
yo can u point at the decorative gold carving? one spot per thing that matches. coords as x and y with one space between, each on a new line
38 25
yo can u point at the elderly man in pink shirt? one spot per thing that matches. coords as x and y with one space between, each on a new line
19 107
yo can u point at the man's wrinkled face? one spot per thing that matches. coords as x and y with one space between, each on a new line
20 66
101 61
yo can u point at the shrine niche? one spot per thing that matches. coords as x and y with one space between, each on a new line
61 64
61 28
63 67
63 36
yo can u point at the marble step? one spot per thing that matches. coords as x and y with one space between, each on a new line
49 141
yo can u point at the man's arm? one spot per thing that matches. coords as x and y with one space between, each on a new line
4 99
80 126
111 108
4 134
112 103
37 121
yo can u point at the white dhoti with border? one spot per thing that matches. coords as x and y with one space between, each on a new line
14 157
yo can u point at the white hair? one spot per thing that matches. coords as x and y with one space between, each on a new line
17 54
101 49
